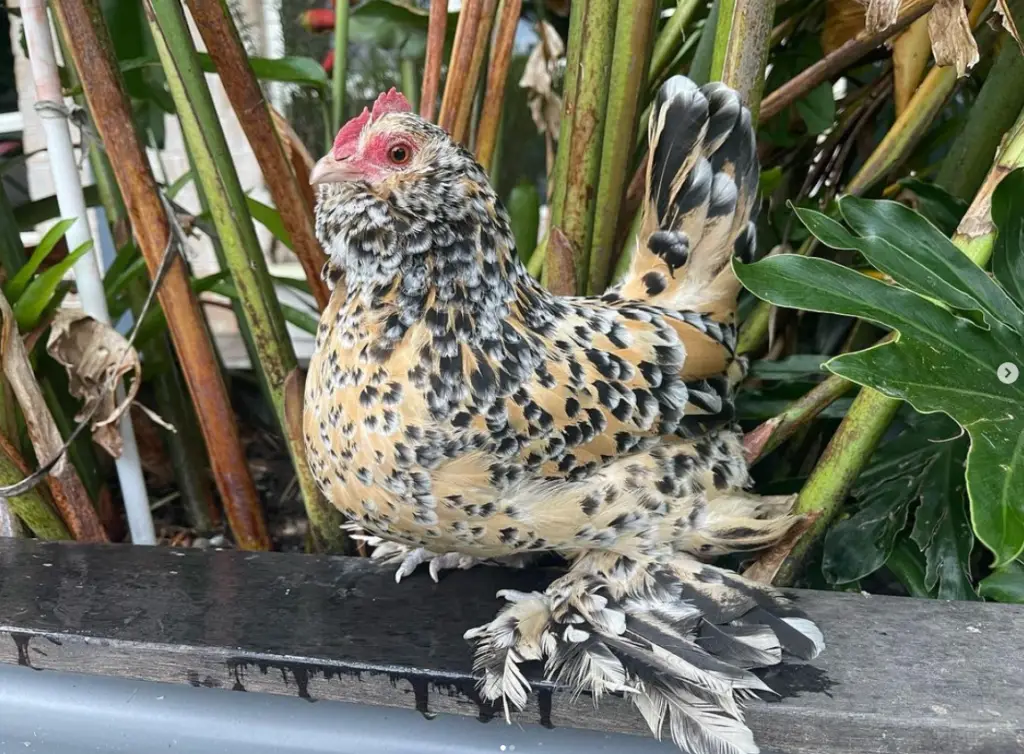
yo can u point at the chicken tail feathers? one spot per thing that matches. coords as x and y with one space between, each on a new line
700 200
678 639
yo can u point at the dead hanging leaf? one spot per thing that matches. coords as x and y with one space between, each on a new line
66 487
880 14
952 40
538 78
1009 23
96 357
844 20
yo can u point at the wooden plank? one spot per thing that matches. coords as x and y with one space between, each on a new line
898 675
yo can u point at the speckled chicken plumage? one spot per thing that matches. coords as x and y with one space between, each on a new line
458 410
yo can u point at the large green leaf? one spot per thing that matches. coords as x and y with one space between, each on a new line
941 528
924 463
914 253
1008 252
393 25
293 69
936 204
938 362
1005 584
270 218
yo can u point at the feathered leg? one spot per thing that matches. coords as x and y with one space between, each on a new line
677 638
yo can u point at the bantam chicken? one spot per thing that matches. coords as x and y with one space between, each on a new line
459 413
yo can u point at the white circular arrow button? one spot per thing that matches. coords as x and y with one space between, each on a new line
1008 373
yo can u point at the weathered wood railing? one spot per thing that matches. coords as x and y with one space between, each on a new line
899 675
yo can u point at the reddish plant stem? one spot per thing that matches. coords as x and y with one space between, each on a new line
494 98
435 53
459 65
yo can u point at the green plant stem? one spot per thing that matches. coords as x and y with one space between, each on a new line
558 180
12 258
407 72
1000 99
770 435
31 508
242 254
633 31
340 70
849 450
584 143
671 39
742 31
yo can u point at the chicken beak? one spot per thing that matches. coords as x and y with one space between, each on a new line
331 170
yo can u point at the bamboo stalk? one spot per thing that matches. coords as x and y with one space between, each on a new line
88 279
741 48
213 19
407 74
907 130
634 29
671 38
242 255
481 39
576 218
497 77
91 49
340 69
436 27
459 65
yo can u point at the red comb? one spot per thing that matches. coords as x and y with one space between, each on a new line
392 101
345 141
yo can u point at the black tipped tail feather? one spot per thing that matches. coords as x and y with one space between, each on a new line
678 639
700 202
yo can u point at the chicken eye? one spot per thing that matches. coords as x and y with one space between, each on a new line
399 154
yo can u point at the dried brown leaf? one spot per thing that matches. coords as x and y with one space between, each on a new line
844 20
1009 23
93 353
880 14
66 487
952 40
545 105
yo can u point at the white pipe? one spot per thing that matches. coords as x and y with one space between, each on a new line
89 281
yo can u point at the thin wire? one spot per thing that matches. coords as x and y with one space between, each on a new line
47 108
176 241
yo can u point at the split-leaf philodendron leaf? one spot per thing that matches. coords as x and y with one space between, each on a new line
955 329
